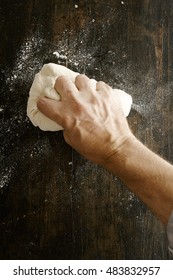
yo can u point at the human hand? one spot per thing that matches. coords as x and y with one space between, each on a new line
94 125
93 121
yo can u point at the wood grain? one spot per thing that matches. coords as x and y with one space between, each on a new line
54 204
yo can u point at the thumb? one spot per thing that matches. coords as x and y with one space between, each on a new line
51 109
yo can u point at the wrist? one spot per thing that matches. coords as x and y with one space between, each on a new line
117 161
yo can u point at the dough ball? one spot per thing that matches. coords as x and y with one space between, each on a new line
43 85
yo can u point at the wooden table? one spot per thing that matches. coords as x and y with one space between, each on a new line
55 204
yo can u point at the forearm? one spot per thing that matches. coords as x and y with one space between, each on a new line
96 127
146 174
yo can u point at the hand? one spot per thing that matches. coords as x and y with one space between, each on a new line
93 121
95 126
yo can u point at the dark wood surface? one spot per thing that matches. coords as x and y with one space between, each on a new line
54 204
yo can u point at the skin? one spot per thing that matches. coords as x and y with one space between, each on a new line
96 127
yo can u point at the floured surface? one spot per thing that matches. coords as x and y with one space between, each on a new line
53 203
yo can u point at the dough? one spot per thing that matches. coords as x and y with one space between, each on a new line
43 85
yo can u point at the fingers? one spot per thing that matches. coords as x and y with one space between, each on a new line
101 86
82 82
51 109
64 86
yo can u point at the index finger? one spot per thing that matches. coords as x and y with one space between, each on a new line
64 86
51 109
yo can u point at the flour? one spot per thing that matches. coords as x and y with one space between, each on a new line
61 56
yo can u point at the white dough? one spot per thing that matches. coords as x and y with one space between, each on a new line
43 85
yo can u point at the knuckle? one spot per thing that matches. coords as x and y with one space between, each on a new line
68 123
81 78
101 83
103 86
60 81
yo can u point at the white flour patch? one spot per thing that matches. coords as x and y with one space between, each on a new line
26 62
6 177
